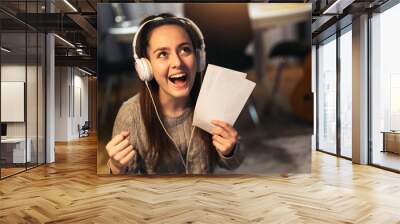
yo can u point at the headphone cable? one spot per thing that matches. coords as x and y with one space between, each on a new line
169 136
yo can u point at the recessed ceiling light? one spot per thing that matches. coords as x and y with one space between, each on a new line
337 7
5 50
70 5
65 41
84 71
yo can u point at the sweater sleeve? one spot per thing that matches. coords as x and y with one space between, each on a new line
234 160
126 121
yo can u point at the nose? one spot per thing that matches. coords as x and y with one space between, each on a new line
176 60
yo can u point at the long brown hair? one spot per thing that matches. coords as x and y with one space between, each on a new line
162 153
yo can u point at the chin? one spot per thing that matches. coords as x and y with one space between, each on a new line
181 93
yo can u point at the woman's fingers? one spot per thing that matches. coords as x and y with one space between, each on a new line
121 154
221 140
117 143
225 146
220 131
223 125
222 148
120 150
121 146
123 157
224 129
224 137
218 145
127 158
118 138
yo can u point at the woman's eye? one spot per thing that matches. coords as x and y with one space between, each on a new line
162 54
186 50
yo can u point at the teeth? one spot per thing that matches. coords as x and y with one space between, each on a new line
177 76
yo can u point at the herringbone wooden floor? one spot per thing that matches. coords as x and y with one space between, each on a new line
69 191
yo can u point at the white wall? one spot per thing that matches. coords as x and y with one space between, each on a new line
14 73
71 93
61 103
33 127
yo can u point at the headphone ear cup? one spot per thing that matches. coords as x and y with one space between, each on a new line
143 69
149 69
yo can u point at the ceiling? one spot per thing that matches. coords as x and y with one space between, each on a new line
76 22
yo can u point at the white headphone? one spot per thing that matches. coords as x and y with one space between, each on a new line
143 66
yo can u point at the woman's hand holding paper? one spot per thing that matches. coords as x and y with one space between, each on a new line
224 137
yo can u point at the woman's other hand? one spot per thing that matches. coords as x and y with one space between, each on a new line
224 137
120 152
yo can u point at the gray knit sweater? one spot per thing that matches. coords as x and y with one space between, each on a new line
198 159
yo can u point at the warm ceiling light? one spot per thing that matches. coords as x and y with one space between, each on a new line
124 30
84 71
5 50
65 41
337 7
70 5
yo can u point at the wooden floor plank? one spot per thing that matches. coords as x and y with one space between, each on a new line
69 191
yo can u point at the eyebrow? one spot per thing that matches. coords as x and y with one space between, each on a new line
165 48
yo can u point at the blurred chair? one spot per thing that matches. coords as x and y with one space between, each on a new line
84 130
284 52
227 32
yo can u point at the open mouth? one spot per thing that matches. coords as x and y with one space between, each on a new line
178 80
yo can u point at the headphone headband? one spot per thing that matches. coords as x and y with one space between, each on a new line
137 34
181 19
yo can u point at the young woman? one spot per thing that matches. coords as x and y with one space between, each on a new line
153 131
